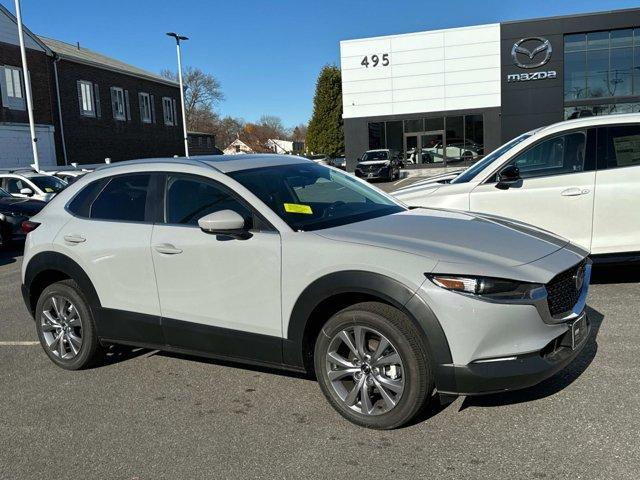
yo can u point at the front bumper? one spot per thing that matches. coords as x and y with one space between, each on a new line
512 373
377 174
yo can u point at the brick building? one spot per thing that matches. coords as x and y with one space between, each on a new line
88 106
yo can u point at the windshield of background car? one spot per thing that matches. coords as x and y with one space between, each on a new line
4 193
369 156
312 197
49 183
471 172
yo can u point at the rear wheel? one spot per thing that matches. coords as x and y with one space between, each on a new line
65 326
372 367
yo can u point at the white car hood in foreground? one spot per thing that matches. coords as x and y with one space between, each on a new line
478 244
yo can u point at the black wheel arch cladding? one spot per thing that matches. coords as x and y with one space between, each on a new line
47 263
374 285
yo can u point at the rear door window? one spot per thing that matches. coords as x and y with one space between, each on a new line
124 198
618 146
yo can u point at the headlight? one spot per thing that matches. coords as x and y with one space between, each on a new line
495 288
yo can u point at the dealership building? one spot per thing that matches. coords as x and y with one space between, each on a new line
446 97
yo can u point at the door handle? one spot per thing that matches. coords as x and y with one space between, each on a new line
74 238
167 249
574 192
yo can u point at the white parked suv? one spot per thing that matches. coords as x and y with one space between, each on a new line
278 261
29 184
579 179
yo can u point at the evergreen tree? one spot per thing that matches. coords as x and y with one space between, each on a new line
325 133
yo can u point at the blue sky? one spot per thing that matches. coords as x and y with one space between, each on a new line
267 54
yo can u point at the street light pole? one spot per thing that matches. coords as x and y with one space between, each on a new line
27 87
184 115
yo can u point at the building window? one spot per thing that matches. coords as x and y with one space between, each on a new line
601 64
12 88
88 98
168 110
144 99
118 103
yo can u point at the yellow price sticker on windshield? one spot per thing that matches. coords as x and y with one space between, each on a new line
297 208
48 189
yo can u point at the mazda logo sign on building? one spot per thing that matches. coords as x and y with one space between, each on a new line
527 52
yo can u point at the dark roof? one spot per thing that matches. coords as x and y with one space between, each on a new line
89 57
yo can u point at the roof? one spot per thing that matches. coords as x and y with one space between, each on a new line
222 163
28 32
591 121
83 55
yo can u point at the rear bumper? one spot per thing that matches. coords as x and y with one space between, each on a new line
514 373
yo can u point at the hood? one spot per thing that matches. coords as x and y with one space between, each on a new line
453 237
25 206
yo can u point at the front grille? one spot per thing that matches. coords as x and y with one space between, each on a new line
562 293
369 168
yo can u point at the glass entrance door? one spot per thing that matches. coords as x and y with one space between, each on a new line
410 149
432 147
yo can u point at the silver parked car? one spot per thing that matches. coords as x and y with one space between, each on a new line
278 261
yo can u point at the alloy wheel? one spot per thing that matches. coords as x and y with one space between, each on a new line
61 327
365 370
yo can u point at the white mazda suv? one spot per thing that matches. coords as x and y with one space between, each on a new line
277 261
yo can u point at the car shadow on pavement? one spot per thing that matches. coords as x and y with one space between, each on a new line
241 365
9 255
552 385
603 274
122 353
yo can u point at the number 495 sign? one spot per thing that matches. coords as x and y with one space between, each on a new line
375 61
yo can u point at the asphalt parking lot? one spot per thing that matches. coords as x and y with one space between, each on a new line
150 415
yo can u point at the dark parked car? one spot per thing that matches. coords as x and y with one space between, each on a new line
379 164
339 162
13 211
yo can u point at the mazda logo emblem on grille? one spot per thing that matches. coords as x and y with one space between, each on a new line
579 278
536 45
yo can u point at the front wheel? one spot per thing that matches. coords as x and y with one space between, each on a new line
372 366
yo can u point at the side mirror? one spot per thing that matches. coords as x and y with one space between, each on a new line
224 222
508 176
26 191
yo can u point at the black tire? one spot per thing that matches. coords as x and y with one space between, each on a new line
398 329
90 350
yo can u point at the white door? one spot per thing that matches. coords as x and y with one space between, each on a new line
556 191
616 223
110 238
217 293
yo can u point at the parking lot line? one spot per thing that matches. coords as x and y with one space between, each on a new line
17 343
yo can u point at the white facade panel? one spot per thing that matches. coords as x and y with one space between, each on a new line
464 76
426 71
15 146
409 94
417 81
417 41
472 101
432 105
379 85
367 98
417 56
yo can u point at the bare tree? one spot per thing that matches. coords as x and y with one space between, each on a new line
202 93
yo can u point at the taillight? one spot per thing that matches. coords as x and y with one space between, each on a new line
29 226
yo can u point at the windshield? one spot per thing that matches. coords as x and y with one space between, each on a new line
369 156
312 197
4 193
471 172
49 183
